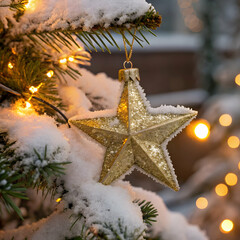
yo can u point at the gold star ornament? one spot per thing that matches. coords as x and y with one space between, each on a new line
137 135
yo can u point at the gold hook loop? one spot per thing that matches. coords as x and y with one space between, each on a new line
127 62
129 56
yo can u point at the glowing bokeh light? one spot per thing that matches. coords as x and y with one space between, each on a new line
226 226
63 60
237 79
50 73
201 130
10 65
225 120
231 179
58 200
33 89
30 5
233 142
28 104
202 203
71 59
221 190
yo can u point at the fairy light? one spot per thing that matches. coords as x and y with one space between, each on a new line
30 5
10 65
33 89
237 79
202 203
233 142
221 190
28 105
71 59
50 73
239 165
201 130
63 60
225 120
226 226
58 200
231 179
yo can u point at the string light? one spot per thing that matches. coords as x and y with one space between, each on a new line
31 5
58 200
71 59
226 226
28 105
237 79
10 65
233 142
202 203
239 165
225 120
221 190
50 73
33 89
63 60
231 179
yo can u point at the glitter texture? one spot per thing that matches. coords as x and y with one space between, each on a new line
135 137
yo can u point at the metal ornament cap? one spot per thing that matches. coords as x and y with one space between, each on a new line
128 74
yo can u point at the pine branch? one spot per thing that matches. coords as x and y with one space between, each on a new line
98 36
40 173
149 216
28 71
148 210
9 185
19 5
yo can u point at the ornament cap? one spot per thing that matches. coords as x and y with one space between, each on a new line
128 74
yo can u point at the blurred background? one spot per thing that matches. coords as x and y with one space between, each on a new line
195 61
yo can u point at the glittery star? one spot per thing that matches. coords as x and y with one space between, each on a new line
137 136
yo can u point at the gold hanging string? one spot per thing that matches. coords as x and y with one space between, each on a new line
129 56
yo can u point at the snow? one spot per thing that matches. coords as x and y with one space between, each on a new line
5 13
79 187
49 15
77 94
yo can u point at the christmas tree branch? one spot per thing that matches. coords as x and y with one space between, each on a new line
39 174
98 36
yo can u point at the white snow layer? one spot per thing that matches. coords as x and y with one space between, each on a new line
6 13
61 14
98 203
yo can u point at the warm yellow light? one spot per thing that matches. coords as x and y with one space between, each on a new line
10 65
239 165
50 73
71 59
233 142
30 5
237 79
225 120
202 203
28 104
33 89
201 130
58 200
231 179
226 226
63 60
221 190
